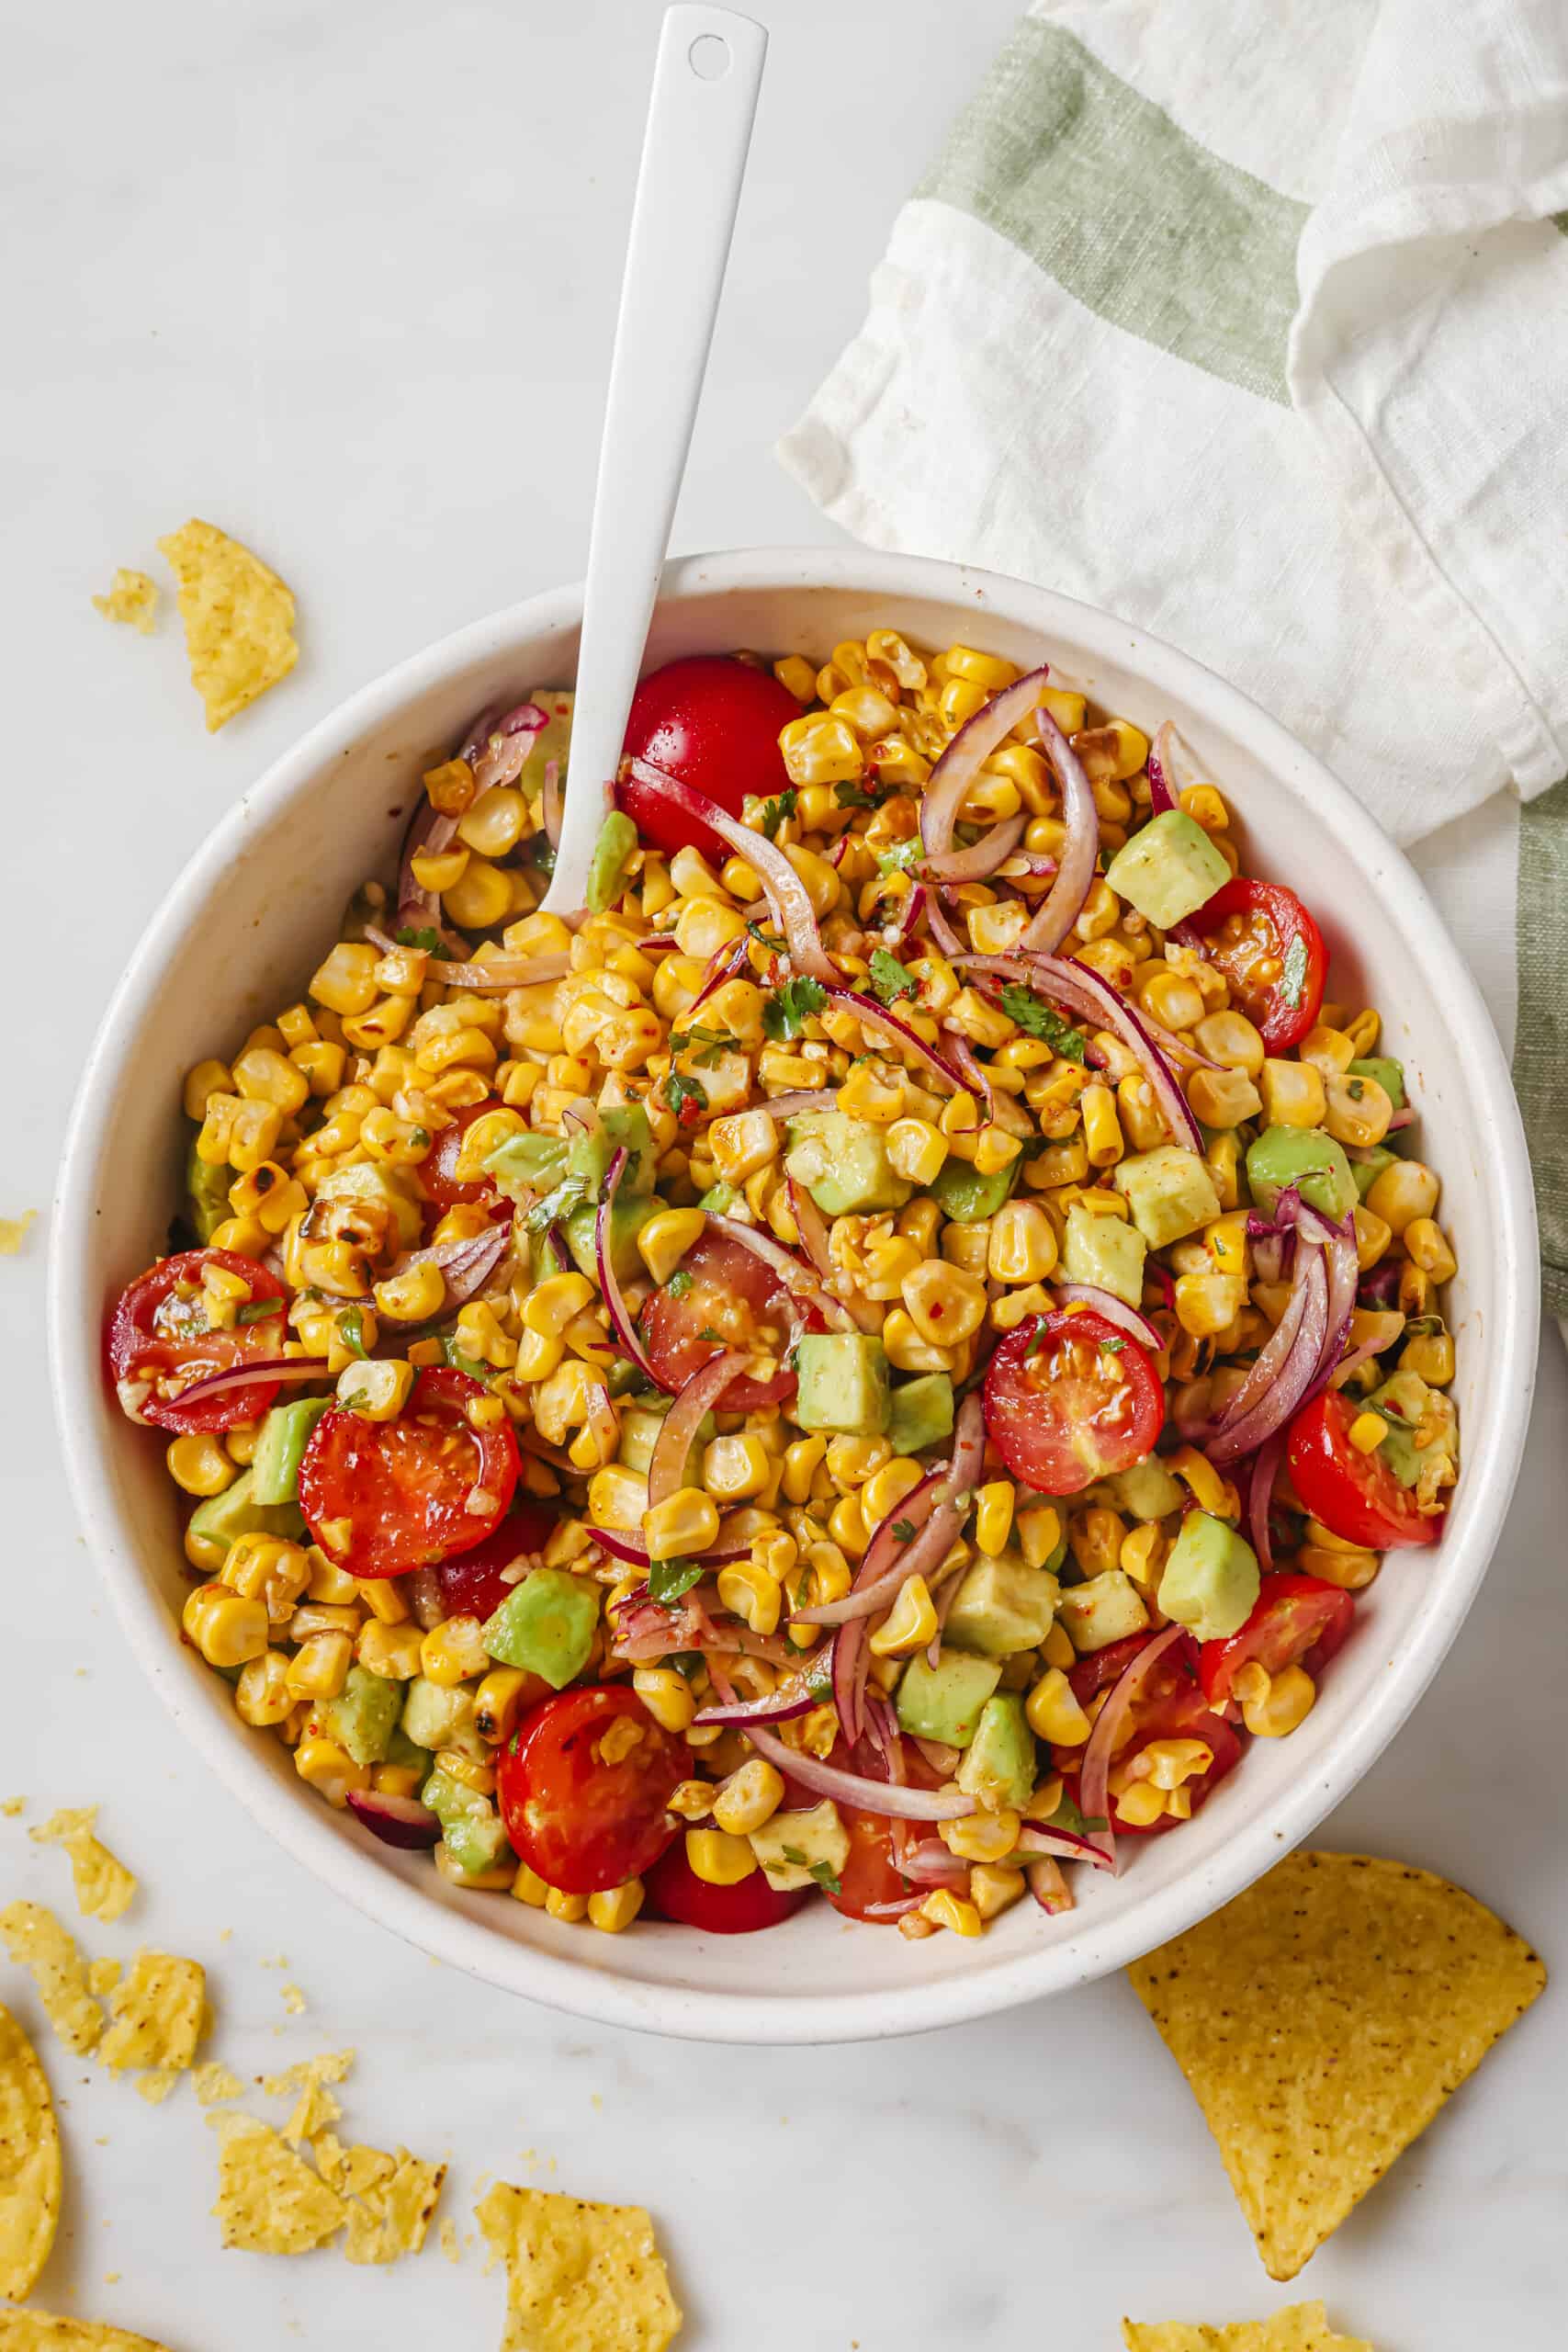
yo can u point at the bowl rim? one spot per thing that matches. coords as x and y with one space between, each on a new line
686 2011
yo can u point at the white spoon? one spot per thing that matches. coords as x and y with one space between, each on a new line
693 158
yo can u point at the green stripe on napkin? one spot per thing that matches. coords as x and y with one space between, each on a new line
1540 1050
1135 220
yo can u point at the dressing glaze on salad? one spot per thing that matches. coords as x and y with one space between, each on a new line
871 1364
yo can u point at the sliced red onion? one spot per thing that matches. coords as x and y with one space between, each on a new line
949 781
786 894
1093 999
869 1013
929 1862
894 1910
1268 1255
981 859
466 1266
667 1630
1404 1117
1161 771
667 1470
852 1788
635 1552
1094 1789
811 1226
402 1822
504 972
799 1280
931 1509
910 914
797 1696
1071 1844
1261 1495
941 930
1290 1375
550 803
724 964
1266 1365
1064 901
1049 1888
609 1285
1391 1324
803 1098
1114 1310
422 1589
975 1076
501 753
272 1368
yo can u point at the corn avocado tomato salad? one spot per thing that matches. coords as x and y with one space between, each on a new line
873 1362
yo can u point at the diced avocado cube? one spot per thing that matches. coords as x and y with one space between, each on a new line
965 1196
920 1413
206 1189
801 1849
719 1200
997 1767
364 1715
285 1434
1307 1157
476 1846
943 1701
621 1126
1170 1192
1211 1582
842 1384
402 1751
628 1213
215 1524
527 1164
546 1625
1168 869
844 1164
1002 1605
1145 1491
1105 1250
1407 1403
1389 1074
607 866
451 1800
640 1435
1367 1169
437 1716
1102 1609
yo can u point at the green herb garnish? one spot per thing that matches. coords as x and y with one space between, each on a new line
257 1310
687 1662
668 1579
778 811
569 1194
680 1283
862 795
461 1362
889 979
1038 1019
429 939
679 1091
904 1529
351 1331
709 1044
822 1873
789 1009
902 857
1038 1340
1069 1816
1111 1347
1292 979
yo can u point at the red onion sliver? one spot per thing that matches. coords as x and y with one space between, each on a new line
723 964
466 1266
981 859
869 1013
501 753
402 1822
931 1509
1161 770
795 1697
505 972
941 930
667 1470
1293 1377
802 1284
1260 1494
1049 1888
1064 901
1072 1844
620 1315
245 1375
1114 1310
786 894
620 1546
1089 997
803 1098
850 1788
955 772
909 914
811 1226
1094 1789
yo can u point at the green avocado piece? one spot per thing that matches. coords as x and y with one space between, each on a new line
944 1701
285 1434
719 1200
1307 1157
965 1197
998 1766
1168 868
628 1214
844 1164
1002 1605
1406 1402
451 1800
527 1163
920 1413
217 1522
624 1124
477 1845
546 1625
1211 1582
206 1189
1102 1609
640 1425
607 867
364 1715
402 1751
1170 1192
1365 1172
370 1179
1146 1491
800 1848
1105 1250
842 1384
436 1716
1389 1074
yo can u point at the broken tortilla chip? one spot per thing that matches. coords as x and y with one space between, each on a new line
104 1886
1302 2328
42 2332
238 616
160 2010
133 597
13 1233
29 2163
1322 2019
37 1941
269 2200
214 2082
580 2278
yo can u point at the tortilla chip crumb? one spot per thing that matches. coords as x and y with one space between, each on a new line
314 2109
294 2000
213 2082
579 2277
155 2085
104 1886
12 1806
103 1975
332 2067
1302 2328
133 597
29 2163
13 1233
37 1941
269 2200
451 2246
160 2010
391 2198
238 616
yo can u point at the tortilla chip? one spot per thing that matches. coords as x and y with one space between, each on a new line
40 2332
1302 2328
580 2278
238 616
391 2201
133 598
314 2109
104 1886
1322 2019
269 2200
103 1975
160 2011
332 2067
29 2163
37 1941
213 2082
451 2244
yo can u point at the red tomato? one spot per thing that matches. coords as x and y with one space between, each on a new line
1180 1714
676 1891
714 722
155 1333
442 1189
473 1583
732 1293
384 1496
1069 1399
1244 924
870 1875
582 1823
1296 1619
1101 1668
1355 1495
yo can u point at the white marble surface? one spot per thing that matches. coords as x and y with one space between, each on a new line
342 279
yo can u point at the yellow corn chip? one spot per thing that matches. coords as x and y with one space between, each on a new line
238 616
40 2332
133 598
1304 2328
294 2000
1322 2019
104 1886
37 1941
392 2202
103 1975
269 2200
314 2109
213 2082
451 2244
578 2277
159 2011
332 2067
29 2163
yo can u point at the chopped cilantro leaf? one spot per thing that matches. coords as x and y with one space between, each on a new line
768 939
668 1579
461 1362
707 1332
1038 1019
687 1662
544 854
705 1044
778 811
687 1097
1069 1816
429 939
904 1529
862 795
350 1331
1292 979
1111 1347
889 979
1037 1341
568 1195
789 1009
257 1310
823 1873
680 1283
902 857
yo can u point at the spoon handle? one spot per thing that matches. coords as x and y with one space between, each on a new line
693 158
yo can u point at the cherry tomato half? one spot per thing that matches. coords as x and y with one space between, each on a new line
714 722
473 1584
1248 924
734 1297
384 1496
1297 1620
1355 1495
1102 1668
869 1876
158 1330
1069 1399
585 1823
676 1891
1179 1714
438 1172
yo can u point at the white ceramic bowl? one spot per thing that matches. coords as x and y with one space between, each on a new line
246 923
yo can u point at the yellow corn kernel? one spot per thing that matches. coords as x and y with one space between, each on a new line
262 1696
718 1858
416 1296
1367 1432
263 1075
1142 1554
529 1887
820 749
394 1652
463 1769
617 1499
666 1694
1208 1303
1102 1128
479 899
330 1769
319 1668
569 1910
615 1907
199 1465
501 1698
829 1572
886 1489
735 1468
551 1305
911 1624
378 1594
995 1149
1209 1490
1431 1354
1222 1098
207 1079
692 1800
1142 1805
253 1134
752 1595
846 1525
749 1797
800 1465
1328 1050
685 1523
267 1568
742 1144
451 1652
479 1334
1428 1247
945 1305
376 1389
1405 1192
915 1150
993 1516
945 1909
1039 1533
1169 996
1283 1707
1360 1111
1021 1243
1229 1037
1293 1093
982 1837
495 822
852 1460
797 677
240 1442
345 982
993 1886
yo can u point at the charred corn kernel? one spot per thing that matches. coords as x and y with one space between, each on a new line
319 1668
1283 1707
993 1516
993 1887
617 1499
915 1150
982 1837
268 1568
685 1523
1431 1354
1415 1293
1358 1112
742 1144
376 1390
945 1909
330 1769
1039 1533
1208 1303
1209 1490
199 1465
752 1595
945 1304
800 1465
262 1696
1428 1247
846 1525
667 1696
615 1907
450 786
263 1075
451 1652
735 1468
500 1699
718 1858
555 1304
886 1487
1293 1093
345 982
226 1627
1021 1243
394 1652
1142 1805
569 1910
416 1296
1230 1037
1404 1193
910 1625
750 1796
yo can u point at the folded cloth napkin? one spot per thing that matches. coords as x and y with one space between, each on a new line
1252 324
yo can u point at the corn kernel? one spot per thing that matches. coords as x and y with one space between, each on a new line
568 1908
945 1909
667 1695
1428 1247
982 1837
345 983
1039 1533
1405 1194
262 1696
615 1907
1052 1711
993 1516
1293 1093
393 1652
451 1652
750 1796
945 1305
718 1858
751 1594
330 1769
685 1523
911 1624
1142 1805
1283 1707
199 1465
319 1668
